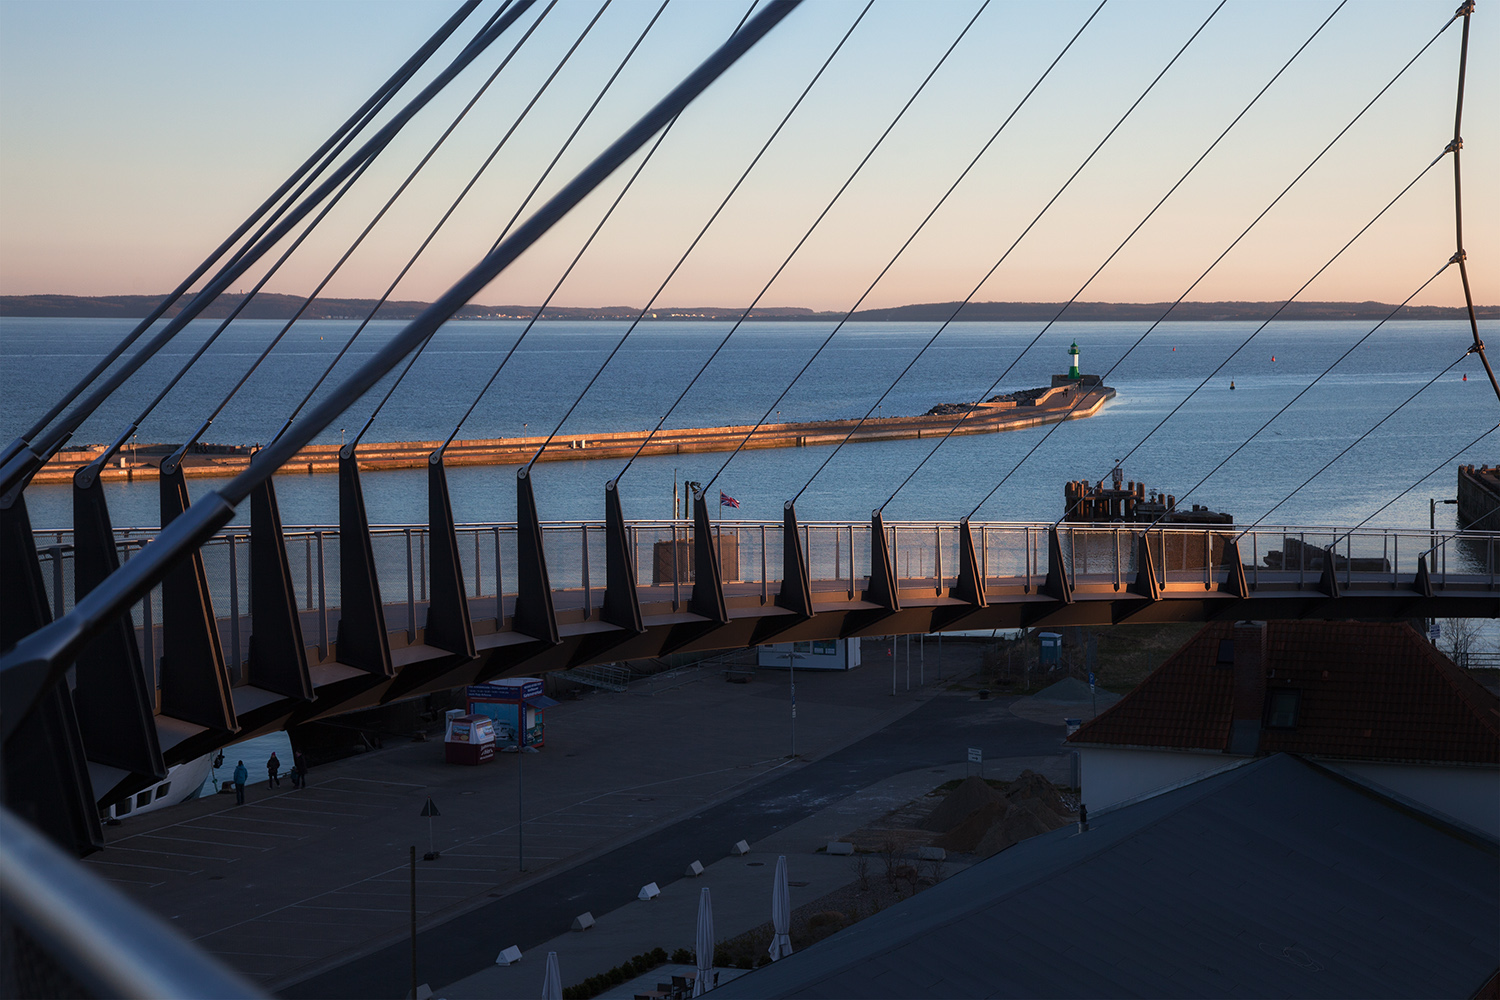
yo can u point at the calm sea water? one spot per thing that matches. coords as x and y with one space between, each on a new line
39 356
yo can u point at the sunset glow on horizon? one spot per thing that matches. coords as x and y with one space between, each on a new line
135 135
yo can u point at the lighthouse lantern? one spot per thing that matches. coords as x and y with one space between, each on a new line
1073 357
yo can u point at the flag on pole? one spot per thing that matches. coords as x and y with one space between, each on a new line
725 500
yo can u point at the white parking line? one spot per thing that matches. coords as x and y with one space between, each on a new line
199 840
154 868
170 854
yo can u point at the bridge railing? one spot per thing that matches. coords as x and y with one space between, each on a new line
925 555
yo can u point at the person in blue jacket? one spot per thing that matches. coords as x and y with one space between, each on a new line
241 775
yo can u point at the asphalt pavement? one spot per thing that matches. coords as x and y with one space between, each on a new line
937 734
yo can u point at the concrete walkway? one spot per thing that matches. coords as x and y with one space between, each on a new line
297 882
740 890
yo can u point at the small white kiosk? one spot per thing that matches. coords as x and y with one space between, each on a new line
819 654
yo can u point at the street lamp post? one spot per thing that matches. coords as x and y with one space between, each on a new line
792 674
1432 503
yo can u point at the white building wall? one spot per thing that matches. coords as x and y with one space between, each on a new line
1470 795
1110 776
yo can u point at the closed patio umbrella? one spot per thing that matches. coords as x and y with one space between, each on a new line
704 982
552 982
781 913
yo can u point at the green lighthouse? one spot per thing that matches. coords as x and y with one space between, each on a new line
1073 372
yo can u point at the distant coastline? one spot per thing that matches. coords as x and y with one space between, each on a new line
274 307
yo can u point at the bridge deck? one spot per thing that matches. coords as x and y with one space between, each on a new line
1373 574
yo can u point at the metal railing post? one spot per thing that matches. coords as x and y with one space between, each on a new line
411 594
1208 558
322 602
937 563
307 550
56 552
587 596
851 562
676 572
148 622
499 589
422 562
234 608
765 587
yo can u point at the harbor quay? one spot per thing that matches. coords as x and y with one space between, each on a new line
307 891
1069 400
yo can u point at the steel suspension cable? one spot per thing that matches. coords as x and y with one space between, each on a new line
1460 256
422 247
1011 248
40 658
21 467
1305 389
327 207
545 173
805 236
1131 235
701 232
1279 309
1350 447
629 183
1256 221
334 270
892 263
307 173
234 313
1436 469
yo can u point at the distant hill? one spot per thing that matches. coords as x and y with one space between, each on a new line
1194 311
269 306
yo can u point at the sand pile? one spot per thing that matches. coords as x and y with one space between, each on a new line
972 793
1030 805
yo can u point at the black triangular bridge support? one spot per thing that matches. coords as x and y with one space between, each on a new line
535 615
1147 581
796 585
622 602
1058 585
278 655
883 590
363 641
1328 581
968 586
448 625
795 594
707 597
708 583
46 778
195 684
116 707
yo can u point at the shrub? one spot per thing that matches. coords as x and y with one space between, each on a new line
636 966
683 957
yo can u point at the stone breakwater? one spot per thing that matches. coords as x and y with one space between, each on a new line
1046 407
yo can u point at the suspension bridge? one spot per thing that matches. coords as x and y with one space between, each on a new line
128 650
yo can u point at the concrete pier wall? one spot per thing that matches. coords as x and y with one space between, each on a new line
1479 497
1057 405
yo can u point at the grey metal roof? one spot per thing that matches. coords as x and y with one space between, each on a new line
1273 879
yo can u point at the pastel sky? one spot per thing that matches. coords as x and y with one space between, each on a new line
134 135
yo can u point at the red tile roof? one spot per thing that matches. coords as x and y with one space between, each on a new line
1372 691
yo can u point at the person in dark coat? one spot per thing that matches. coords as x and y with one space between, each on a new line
240 777
273 771
299 769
